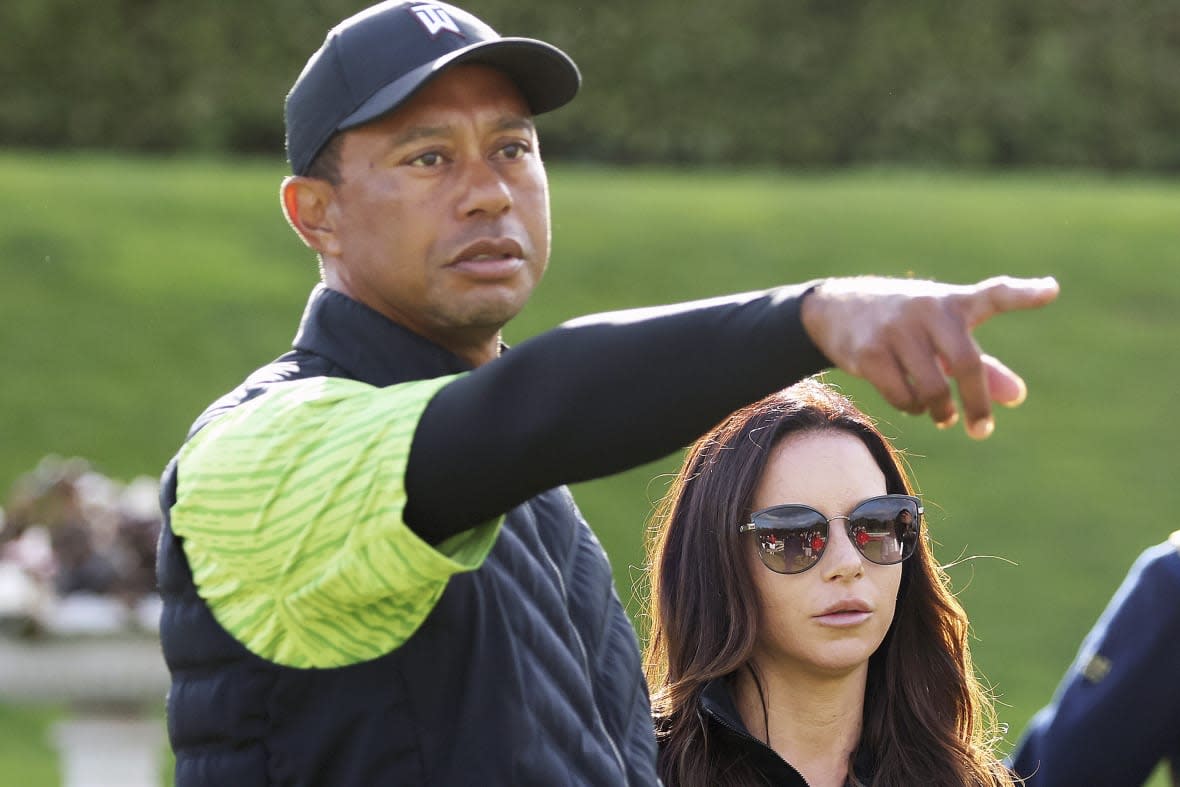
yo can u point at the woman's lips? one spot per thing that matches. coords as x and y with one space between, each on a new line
850 612
842 619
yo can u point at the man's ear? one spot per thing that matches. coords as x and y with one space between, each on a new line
308 204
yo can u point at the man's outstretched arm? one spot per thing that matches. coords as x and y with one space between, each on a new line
608 392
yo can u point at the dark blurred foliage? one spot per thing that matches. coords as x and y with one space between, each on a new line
800 83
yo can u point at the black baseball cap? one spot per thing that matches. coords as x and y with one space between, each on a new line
373 61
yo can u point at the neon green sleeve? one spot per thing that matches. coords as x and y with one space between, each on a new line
290 507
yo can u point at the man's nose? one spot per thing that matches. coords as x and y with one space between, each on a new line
485 189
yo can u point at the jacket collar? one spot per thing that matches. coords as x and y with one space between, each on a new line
717 702
368 345
717 705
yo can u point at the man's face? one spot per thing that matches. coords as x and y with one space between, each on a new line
442 212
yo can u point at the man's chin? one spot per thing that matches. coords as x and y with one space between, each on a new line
491 311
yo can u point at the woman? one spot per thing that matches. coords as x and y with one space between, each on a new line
801 632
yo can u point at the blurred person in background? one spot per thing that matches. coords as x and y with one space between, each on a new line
1116 714
371 569
801 631
70 525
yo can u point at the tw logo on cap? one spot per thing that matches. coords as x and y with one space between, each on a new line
435 19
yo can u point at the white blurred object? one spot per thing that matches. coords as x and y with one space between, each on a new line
114 752
86 613
140 499
33 552
115 686
22 599
86 672
147 613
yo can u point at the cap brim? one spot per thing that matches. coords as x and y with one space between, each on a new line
545 75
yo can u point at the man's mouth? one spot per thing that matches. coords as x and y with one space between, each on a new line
490 259
489 250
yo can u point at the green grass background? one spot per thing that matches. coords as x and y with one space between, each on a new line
134 291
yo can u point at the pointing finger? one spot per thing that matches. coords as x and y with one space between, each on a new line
1004 294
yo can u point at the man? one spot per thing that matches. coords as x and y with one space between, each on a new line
1116 714
371 569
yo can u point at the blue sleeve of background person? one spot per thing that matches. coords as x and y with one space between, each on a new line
597 396
1116 714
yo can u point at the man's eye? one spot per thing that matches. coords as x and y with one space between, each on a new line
431 159
514 150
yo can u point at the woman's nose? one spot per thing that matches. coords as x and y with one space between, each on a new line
841 557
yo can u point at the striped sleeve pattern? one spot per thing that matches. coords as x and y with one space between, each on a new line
291 510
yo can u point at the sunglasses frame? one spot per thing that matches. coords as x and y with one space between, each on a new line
752 526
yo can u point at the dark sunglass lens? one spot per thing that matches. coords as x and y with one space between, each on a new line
790 539
885 529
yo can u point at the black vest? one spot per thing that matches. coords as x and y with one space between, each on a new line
526 673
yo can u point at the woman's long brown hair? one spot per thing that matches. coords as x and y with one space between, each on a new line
927 719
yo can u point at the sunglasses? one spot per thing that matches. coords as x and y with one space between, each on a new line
792 537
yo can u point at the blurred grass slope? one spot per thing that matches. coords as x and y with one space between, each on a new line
137 290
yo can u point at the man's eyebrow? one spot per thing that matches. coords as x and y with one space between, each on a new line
416 133
516 123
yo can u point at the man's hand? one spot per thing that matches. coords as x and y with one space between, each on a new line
906 337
